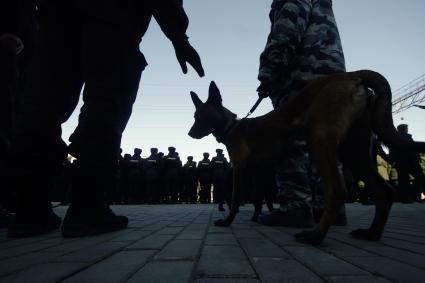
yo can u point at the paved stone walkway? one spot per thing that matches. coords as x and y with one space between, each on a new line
179 243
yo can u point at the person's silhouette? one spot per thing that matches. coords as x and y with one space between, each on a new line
94 44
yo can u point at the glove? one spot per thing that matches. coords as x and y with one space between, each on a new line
264 90
185 53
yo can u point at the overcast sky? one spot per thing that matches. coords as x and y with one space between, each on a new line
386 36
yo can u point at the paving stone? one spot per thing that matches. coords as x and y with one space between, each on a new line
180 243
390 269
397 231
401 244
220 239
215 229
345 238
179 224
151 242
262 248
197 226
247 233
170 231
323 263
224 261
357 279
179 250
16 251
226 280
164 272
225 268
157 225
284 270
343 250
71 245
116 268
417 238
223 252
44 273
9 243
21 262
407 257
278 237
132 236
191 235
93 253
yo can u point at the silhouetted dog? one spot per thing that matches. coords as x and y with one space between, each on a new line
337 115
259 187
263 186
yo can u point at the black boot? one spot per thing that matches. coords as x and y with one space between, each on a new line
83 221
33 222
89 213
34 215
5 218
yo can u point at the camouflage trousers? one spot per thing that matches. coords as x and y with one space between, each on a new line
297 180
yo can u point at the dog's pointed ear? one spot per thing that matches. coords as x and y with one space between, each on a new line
214 95
195 99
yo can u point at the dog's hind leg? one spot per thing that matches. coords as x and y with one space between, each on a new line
258 185
257 209
323 149
269 190
238 180
384 195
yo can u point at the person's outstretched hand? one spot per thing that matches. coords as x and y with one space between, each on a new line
185 53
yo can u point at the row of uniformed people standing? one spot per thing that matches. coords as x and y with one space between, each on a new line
163 179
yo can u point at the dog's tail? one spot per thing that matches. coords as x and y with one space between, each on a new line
381 112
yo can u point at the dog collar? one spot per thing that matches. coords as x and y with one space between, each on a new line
221 137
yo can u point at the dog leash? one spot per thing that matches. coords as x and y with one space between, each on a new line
254 107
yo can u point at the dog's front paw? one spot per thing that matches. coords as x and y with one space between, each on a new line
311 237
366 234
221 223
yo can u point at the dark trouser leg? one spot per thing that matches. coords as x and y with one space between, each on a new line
38 150
294 182
293 179
403 187
8 85
112 69
419 182
152 191
219 193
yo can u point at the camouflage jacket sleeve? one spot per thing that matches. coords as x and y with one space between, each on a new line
289 19
172 18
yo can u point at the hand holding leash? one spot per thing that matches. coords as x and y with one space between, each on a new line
264 90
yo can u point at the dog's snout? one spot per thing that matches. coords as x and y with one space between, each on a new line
192 134
196 133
